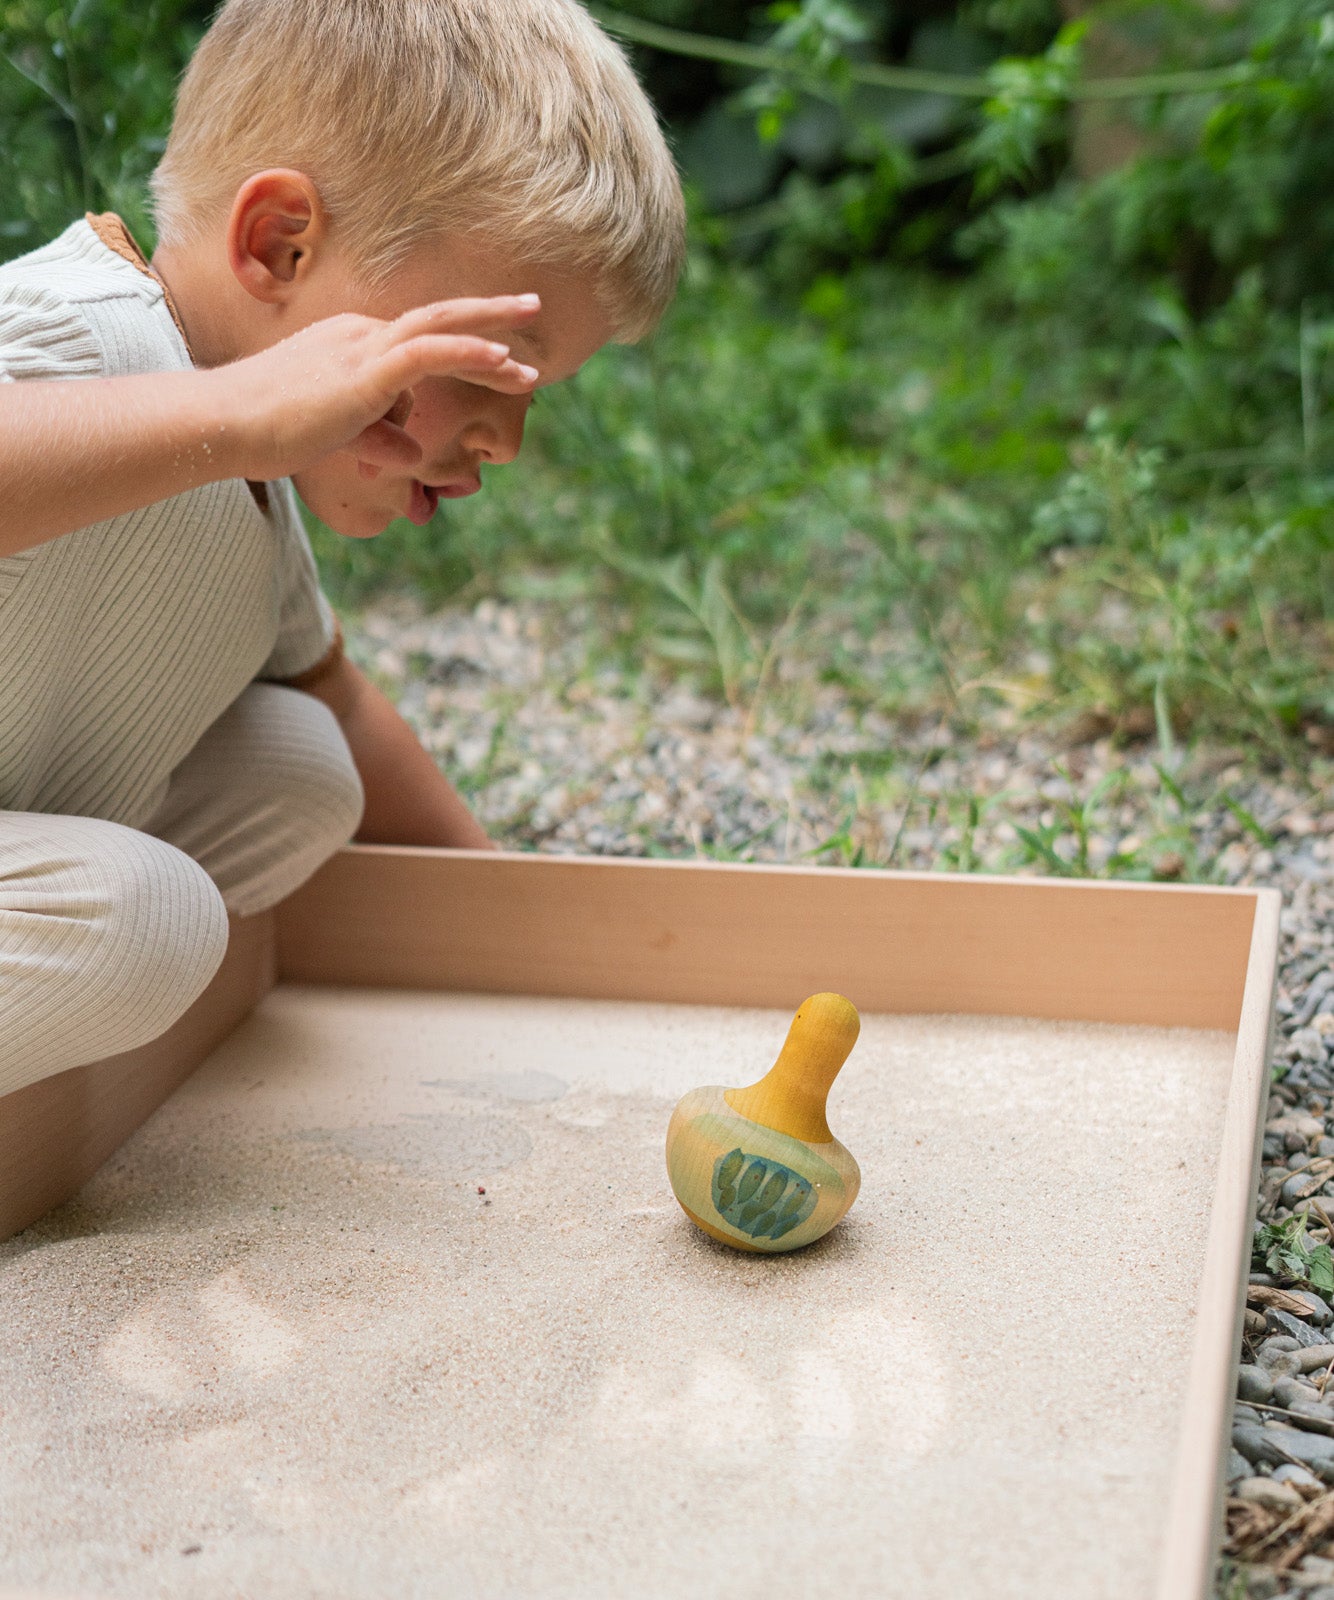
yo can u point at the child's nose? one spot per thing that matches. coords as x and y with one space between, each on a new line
497 436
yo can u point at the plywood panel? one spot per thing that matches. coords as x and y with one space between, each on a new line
715 933
1195 1510
55 1133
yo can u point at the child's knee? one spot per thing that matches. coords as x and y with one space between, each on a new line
165 921
106 936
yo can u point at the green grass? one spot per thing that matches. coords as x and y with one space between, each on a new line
989 513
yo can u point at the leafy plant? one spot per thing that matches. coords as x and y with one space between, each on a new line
1287 1250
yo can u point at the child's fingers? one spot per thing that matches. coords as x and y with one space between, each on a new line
495 314
384 445
453 356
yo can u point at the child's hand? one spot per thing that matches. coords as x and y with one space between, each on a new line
344 382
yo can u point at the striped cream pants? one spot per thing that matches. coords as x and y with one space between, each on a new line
107 933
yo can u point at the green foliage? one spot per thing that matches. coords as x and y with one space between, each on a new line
1226 196
1289 1252
1047 522
1085 468
85 102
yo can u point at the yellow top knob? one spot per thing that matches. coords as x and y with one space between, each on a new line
792 1095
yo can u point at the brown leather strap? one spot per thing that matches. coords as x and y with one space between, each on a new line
113 233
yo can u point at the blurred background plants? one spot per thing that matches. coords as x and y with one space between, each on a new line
1007 329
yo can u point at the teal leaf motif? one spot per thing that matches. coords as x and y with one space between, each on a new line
762 1198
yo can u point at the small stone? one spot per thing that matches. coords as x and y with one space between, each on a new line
1288 1391
1268 1492
1298 1187
1239 1467
1277 1355
1301 1331
1295 1145
1281 1443
1316 1356
1287 1473
1315 1410
1297 1122
1321 1315
1325 1147
1317 1567
1242 1413
1254 1383
1254 1324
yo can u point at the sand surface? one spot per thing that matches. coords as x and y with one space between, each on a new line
281 1346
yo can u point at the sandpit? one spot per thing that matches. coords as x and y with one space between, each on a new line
283 1344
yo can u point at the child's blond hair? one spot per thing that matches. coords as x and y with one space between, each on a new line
519 120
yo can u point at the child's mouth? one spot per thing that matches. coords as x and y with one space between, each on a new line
422 506
426 497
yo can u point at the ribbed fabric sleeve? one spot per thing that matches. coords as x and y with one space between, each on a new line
122 642
305 618
43 336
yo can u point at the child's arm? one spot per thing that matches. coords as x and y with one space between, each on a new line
408 799
78 451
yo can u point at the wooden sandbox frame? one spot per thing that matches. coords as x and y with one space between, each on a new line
748 935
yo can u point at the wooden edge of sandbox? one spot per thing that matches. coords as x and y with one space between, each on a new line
747 935
1195 1505
55 1133
715 933
695 932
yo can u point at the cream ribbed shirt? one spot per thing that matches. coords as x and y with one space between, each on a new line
121 642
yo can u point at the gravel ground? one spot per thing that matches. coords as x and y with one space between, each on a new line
560 750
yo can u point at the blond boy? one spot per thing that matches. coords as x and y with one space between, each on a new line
382 225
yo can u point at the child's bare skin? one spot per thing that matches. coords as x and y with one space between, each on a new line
299 373
359 399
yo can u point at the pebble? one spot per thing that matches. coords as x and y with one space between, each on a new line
1288 1391
1278 1444
1254 1383
1316 1356
1298 1326
1290 1474
1268 1492
1306 1127
1321 1315
1298 1187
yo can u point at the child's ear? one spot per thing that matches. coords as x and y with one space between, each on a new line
276 224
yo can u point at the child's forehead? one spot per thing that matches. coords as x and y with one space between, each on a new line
573 320
454 266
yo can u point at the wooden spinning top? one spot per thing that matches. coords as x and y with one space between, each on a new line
758 1167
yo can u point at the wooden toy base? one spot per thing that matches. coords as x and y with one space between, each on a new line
282 1324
